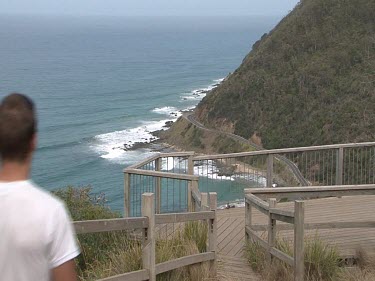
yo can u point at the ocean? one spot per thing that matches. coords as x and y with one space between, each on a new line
100 83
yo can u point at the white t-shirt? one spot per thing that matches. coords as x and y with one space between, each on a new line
36 234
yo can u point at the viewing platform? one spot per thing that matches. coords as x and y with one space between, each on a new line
165 192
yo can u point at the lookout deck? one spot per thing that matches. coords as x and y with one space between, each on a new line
231 229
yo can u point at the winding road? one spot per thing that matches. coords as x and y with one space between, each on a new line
189 116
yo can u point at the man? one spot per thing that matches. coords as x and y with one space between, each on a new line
37 241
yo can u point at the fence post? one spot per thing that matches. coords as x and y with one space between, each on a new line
204 201
212 234
248 218
299 220
190 184
126 195
158 164
271 228
269 170
148 247
339 165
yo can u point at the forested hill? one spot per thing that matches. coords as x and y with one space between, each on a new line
309 81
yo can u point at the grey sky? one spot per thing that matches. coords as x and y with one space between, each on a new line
149 7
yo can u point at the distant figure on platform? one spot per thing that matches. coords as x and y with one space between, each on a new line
37 241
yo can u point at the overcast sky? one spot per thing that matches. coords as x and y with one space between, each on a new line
149 7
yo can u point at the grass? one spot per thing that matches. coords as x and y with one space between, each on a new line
109 254
321 261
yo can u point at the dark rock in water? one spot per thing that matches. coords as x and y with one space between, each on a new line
168 124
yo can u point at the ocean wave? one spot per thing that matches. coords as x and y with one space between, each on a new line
168 110
115 144
200 93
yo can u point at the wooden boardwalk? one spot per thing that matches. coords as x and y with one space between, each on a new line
231 240
231 230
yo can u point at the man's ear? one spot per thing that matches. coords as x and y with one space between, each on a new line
33 143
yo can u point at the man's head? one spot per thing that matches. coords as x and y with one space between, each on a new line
17 128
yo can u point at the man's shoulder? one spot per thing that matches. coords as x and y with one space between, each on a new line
36 194
31 195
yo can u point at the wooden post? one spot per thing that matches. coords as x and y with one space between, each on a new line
212 234
299 220
204 201
269 170
158 164
190 183
248 218
148 247
339 165
126 195
271 228
194 186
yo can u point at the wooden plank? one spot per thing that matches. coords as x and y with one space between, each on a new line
183 217
282 256
257 203
126 195
162 174
339 165
212 233
257 238
190 199
144 162
204 201
107 225
178 154
184 261
139 275
149 243
271 226
312 192
321 225
158 166
299 257
279 217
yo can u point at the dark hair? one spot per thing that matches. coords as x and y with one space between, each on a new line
17 127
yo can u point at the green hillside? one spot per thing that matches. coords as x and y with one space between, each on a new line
309 81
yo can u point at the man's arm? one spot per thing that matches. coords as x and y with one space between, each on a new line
65 272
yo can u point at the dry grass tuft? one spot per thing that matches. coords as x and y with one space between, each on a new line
321 261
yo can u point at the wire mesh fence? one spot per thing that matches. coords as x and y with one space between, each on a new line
229 174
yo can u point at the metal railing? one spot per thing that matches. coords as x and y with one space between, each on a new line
173 176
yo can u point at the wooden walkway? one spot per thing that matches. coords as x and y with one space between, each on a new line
231 231
231 241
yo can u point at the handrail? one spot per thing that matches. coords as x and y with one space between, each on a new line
292 193
296 219
148 222
282 150
161 174
274 214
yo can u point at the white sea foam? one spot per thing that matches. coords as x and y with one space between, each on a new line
168 110
115 144
200 93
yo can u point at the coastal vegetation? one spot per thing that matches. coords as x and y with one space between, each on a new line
186 136
309 81
112 253
322 263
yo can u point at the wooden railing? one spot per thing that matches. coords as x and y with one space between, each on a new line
295 218
147 223
256 198
327 165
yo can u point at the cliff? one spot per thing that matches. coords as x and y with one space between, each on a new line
310 81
